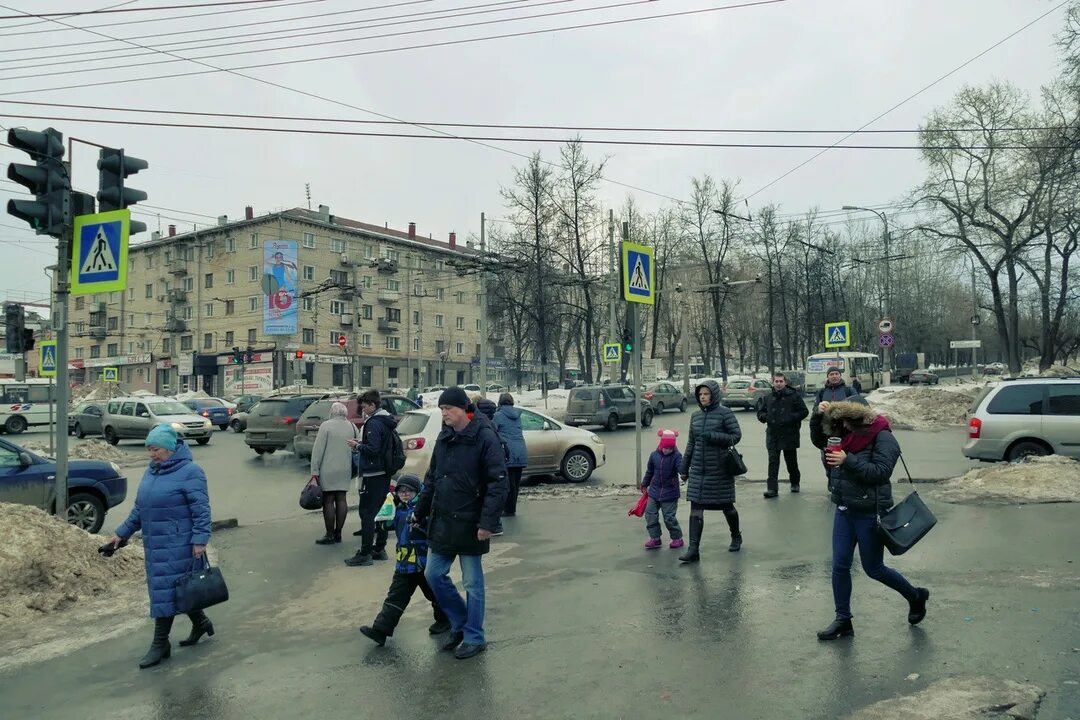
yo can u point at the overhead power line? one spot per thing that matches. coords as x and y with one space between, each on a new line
75 13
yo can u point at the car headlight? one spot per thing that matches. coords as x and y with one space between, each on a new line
207 424
596 439
115 468
177 427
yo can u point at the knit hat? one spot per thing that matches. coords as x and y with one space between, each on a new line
667 438
454 396
162 436
410 481
833 370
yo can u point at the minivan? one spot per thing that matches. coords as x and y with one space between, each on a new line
1025 416
133 418
607 405
307 428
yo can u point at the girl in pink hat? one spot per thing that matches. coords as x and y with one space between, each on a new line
661 482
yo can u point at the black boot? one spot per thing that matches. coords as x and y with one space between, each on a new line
160 649
917 609
733 525
697 524
200 625
839 628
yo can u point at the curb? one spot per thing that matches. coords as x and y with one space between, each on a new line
227 524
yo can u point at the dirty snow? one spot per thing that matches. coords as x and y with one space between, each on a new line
86 450
925 408
95 391
963 698
1049 479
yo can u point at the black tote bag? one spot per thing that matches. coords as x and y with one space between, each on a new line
201 588
906 522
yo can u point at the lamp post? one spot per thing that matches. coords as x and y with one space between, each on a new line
886 351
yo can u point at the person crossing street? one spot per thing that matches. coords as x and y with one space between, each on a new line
782 411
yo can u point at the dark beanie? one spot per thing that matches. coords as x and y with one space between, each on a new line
409 481
454 396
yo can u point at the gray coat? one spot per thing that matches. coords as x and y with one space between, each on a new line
713 430
331 458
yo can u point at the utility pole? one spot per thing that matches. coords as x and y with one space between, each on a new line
483 310
685 346
613 327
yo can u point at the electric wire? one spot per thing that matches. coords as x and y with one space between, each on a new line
157 8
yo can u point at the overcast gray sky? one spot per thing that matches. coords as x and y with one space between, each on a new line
830 64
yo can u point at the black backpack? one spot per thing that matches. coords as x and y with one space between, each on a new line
395 452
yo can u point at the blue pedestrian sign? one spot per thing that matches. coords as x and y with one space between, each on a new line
99 252
639 274
47 358
837 334
612 352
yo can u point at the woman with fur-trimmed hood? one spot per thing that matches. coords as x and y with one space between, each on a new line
859 485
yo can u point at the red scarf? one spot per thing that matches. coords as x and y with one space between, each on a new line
858 441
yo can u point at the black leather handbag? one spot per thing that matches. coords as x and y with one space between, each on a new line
735 464
906 522
201 588
311 496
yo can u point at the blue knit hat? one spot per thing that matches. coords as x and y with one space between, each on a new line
162 436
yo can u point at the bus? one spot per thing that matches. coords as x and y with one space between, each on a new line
864 366
26 403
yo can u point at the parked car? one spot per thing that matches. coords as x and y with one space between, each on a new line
271 424
212 409
922 377
133 418
471 388
1025 416
94 486
607 405
307 428
244 403
238 423
495 388
85 419
745 393
665 396
553 448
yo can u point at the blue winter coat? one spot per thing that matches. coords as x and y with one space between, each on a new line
172 509
411 541
662 476
507 423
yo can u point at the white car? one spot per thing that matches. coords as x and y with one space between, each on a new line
471 388
554 448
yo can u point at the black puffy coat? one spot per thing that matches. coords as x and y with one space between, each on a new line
863 482
713 430
464 489
783 413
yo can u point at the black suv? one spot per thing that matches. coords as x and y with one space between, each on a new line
272 422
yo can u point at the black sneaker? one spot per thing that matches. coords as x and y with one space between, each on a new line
358 533
455 639
439 627
465 650
770 494
795 489
379 555
377 636
325 540
359 560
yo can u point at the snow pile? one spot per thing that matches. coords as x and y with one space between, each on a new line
95 391
925 408
196 395
47 565
87 450
1059 371
1049 479
960 698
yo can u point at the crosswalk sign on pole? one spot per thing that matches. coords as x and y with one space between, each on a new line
99 252
612 352
639 274
47 358
110 374
837 334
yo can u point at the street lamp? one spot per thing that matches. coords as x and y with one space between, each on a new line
887 351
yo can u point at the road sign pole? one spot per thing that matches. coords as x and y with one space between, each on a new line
635 365
60 325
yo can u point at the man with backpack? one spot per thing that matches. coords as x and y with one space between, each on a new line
376 455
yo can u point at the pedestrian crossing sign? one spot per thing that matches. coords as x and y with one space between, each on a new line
47 358
837 334
110 374
99 252
612 352
639 274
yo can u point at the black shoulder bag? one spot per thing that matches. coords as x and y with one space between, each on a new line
906 522
203 587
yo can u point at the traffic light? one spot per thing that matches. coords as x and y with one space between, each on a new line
27 339
114 167
249 356
627 341
299 354
237 356
14 327
48 180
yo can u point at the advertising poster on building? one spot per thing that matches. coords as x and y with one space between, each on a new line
280 286
254 379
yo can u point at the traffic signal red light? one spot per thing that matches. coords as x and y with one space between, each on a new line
299 354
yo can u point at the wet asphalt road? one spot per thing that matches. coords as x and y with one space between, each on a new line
585 624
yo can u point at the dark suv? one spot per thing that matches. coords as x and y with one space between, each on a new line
308 426
608 405
272 422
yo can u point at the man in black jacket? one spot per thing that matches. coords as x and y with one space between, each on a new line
782 412
462 501
371 449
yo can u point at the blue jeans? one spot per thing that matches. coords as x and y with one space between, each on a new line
851 528
466 616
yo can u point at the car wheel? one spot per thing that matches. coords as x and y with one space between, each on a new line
79 431
577 466
235 425
202 441
682 406
646 419
259 451
15 424
111 437
223 427
1026 448
659 408
86 511
612 422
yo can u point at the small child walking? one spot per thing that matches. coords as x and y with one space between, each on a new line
661 482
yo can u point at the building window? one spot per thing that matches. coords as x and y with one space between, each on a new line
440 346
230 277
131 293
187 313
95 351
186 342
189 284
131 320
477 324
168 257
460 349
417 289
112 350
308 304
80 328
393 343
187 253
460 297
477 353
337 373
254 242
366 282
149 320
334 335
365 340
149 261
251 336
440 264
166 344
309 240
416 344
230 244
394 285
253 304
339 278
337 307
253 272
208 281
80 302
369 252
460 323
309 336
131 264
149 293
208 341
479 299
415 317
309 272
230 307
365 312
438 321
393 314
229 337
78 353
114 323
208 310
337 246
210 250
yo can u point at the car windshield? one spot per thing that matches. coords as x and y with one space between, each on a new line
270 408
206 403
413 423
738 385
169 408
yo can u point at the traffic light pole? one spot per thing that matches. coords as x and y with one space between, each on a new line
635 366
63 387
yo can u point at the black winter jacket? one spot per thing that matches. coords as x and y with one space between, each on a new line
713 430
783 413
864 475
464 489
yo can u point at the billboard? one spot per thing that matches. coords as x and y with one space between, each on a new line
280 286
249 379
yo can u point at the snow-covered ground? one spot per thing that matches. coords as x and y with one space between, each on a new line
1048 479
926 408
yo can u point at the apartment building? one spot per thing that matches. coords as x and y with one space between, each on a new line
278 285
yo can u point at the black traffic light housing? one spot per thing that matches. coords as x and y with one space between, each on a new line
249 356
15 327
114 167
48 180
237 356
627 340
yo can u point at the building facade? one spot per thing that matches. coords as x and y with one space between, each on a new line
366 306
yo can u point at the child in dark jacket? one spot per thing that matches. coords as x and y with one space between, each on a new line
661 481
409 571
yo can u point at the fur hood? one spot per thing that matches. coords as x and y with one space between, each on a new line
855 412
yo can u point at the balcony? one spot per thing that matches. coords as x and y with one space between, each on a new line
175 325
177 268
347 293
346 319
178 296
388 297
98 333
385 266
389 326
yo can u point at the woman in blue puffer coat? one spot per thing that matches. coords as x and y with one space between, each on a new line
172 509
507 421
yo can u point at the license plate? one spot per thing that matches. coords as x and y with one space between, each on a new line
582 419
256 435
